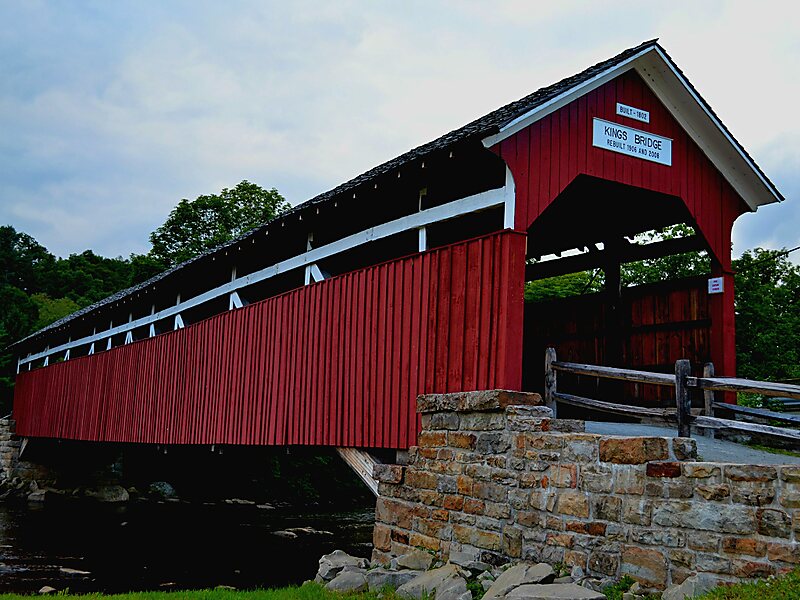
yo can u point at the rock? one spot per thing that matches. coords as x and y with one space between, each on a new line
576 573
77 572
348 581
332 564
446 583
486 584
289 535
518 575
108 493
44 591
565 579
467 561
554 591
239 501
37 497
310 531
161 490
416 560
377 579
229 588
691 587
628 596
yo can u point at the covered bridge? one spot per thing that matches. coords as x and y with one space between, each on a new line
322 326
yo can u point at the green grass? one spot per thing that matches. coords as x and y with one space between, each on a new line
615 591
306 592
772 450
786 587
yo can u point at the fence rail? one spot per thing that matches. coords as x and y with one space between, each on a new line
683 382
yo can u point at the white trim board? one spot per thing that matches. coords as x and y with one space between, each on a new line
444 212
674 91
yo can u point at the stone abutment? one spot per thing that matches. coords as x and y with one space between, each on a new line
495 476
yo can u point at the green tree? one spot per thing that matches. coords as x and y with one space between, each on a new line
195 226
665 268
563 286
50 310
767 297
24 263
143 267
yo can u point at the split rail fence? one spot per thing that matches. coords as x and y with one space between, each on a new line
683 382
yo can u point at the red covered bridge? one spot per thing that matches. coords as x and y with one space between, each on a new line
322 326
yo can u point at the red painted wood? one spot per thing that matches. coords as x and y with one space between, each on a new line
549 154
339 362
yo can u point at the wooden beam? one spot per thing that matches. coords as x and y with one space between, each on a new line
735 384
362 463
615 373
617 409
746 426
629 253
757 412
437 214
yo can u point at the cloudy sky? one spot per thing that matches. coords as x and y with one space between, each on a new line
110 112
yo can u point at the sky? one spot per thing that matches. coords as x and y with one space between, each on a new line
111 112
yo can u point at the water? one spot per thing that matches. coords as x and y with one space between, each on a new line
146 545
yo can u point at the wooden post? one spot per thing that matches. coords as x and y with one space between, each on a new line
683 369
708 397
550 379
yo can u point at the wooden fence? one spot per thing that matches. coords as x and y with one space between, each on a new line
683 382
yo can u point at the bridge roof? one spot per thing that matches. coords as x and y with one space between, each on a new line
489 129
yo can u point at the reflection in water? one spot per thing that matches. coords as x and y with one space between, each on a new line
168 545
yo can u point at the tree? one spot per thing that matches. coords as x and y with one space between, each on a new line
195 226
767 300
563 286
24 262
665 268
50 310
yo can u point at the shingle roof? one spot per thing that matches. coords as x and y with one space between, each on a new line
478 129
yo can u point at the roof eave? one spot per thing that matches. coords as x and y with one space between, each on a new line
689 109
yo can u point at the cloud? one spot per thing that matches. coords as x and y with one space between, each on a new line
112 112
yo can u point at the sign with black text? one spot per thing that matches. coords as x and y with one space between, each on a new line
633 112
630 141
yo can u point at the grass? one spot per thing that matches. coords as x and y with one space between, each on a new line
786 587
309 591
615 591
772 450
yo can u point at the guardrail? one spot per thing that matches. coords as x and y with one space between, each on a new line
682 381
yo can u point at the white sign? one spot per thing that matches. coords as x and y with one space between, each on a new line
716 285
633 142
633 113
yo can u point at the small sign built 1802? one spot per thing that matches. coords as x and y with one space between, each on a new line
633 142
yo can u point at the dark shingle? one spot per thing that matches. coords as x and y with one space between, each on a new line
478 129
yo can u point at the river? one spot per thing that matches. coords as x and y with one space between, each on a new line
152 546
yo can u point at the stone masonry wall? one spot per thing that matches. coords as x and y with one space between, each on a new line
504 481
11 467
9 449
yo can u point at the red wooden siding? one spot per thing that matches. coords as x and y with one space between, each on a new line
662 323
337 363
546 156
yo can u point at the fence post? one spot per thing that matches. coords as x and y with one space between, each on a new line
708 397
683 369
550 379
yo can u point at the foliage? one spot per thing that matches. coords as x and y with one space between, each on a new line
677 266
778 588
615 590
767 292
308 591
564 286
49 310
195 226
